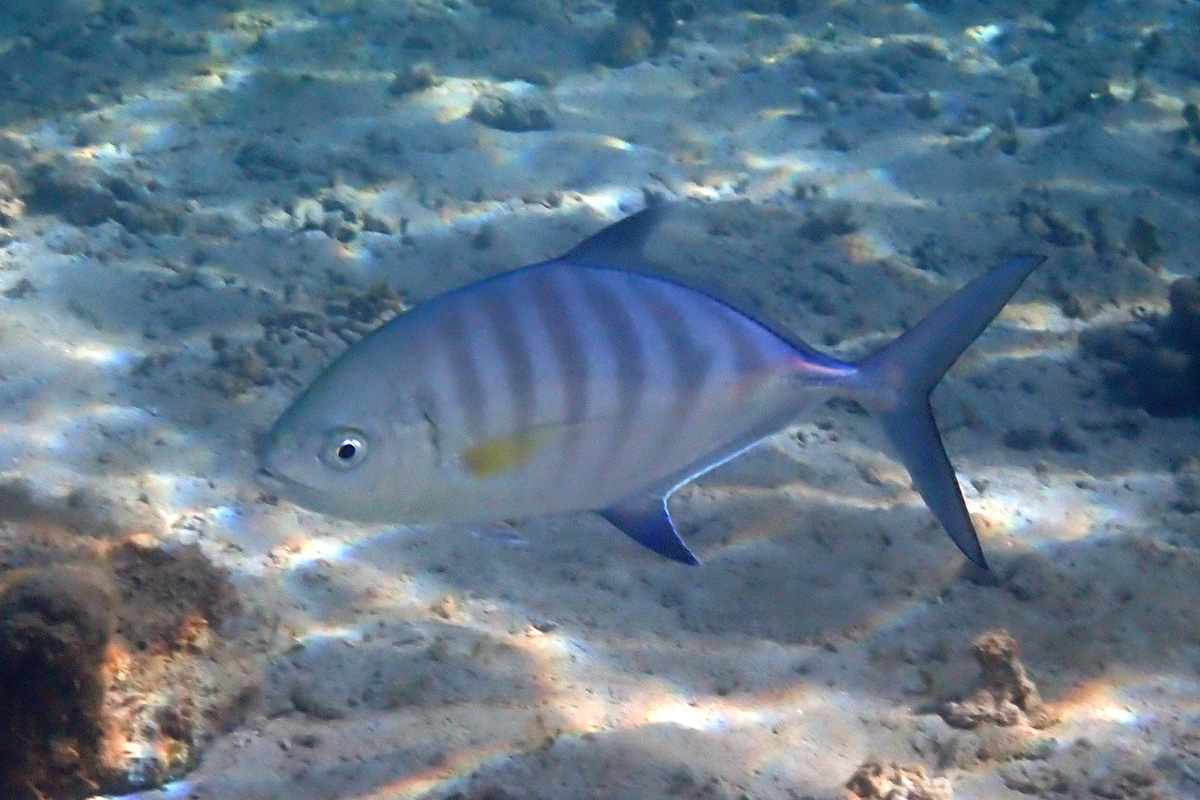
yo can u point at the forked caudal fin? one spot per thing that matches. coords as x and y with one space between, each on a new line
895 382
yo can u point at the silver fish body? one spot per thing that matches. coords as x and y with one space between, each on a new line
572 385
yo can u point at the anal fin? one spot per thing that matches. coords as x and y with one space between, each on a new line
644 518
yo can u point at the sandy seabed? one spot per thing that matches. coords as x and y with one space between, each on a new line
202 203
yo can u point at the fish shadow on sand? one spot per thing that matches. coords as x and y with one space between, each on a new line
805 596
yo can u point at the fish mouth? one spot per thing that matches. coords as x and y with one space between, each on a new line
300 494
266 450
275 484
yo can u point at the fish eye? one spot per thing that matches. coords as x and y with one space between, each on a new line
346 448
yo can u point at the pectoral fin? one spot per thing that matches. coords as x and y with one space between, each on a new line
645 519
507 453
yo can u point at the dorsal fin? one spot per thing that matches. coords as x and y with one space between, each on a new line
619 246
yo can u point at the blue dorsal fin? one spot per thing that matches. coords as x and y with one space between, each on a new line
644 517
619 246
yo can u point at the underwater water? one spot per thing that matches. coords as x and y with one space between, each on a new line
203 204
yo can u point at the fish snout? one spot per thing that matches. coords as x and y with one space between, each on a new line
267 479
269 476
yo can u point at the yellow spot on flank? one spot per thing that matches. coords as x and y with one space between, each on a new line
504 454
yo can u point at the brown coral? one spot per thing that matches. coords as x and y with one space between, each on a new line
55 625
1006 695
114 669
875 780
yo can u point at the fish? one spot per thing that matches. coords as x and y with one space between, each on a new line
586 384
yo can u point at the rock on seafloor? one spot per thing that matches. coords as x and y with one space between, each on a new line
115 668
1155 360
55 628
